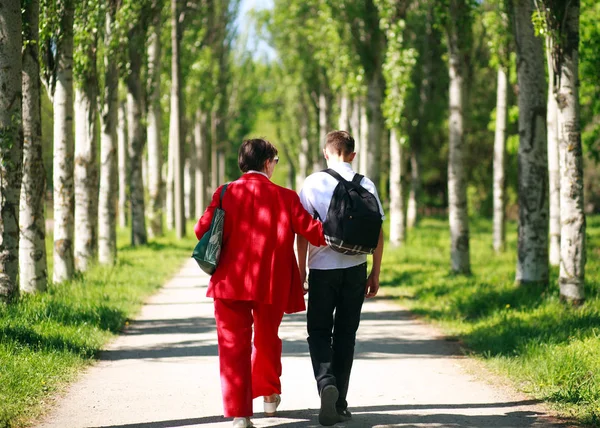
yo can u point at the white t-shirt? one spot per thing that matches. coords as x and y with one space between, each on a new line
316 195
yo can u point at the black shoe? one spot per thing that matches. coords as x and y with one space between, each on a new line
328 414
344 415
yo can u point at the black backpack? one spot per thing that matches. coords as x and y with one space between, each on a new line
353 221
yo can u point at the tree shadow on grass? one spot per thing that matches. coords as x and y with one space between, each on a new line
27 337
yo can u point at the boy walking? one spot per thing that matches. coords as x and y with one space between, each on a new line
337 284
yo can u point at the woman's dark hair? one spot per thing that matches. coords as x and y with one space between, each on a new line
254 153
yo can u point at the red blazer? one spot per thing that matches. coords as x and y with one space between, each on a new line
257 259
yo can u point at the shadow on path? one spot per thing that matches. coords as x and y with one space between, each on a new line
379 416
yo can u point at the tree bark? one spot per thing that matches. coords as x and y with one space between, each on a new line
553 161
573 223
344 120
175 128
375 116
319 160
532 260
86 174
457 180
302 172
397 230
11 145
64 203
499 162
214 160
201 173
33 268
155 212
364 140
123 143
355 130
136 136
188 187
412 215
107 204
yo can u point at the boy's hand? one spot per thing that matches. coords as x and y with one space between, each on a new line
372 285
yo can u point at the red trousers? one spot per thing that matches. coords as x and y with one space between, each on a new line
247 371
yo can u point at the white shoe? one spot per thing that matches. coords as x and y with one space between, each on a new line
271 408
242 423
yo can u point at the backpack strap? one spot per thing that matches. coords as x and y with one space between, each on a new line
335 175
222 194
357 179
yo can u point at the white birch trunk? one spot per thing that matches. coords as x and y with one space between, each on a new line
175 127
85 176
553 161
107 203
201 172
188 191
532 259
319 160
397 230
11 146
363 166
457 180
123 143
170 187
302 172
136 137
355 130
63 263
412 213
33 269
573 223
499 240
344 119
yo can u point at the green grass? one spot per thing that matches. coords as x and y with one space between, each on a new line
46 339
551 350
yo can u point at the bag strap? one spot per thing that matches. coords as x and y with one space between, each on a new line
357 179
221 195
335 175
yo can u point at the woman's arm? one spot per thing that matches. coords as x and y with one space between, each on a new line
204 222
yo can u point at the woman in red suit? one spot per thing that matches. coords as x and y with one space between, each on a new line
257 278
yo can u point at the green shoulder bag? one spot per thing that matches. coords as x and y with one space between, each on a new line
208 249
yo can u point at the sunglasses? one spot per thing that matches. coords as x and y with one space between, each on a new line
276 159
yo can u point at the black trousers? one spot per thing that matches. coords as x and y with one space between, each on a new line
335 299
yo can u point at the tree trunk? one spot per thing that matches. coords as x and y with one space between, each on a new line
355 130
415 187
375 116
170 187
344 122
363 166
33 268
214 160
397 230
457 180
553 161
155 204
123 143
221 157
188 187
11 146
302 172
107 204
63 265
499 163
532 261
136 136
201 172
175 128
573 223
86 174
319 160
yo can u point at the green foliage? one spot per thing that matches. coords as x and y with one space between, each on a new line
550 349
46 339
589 50
88 28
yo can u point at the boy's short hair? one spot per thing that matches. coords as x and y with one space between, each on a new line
254 153
340 142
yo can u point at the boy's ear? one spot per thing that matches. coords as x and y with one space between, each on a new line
351 157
